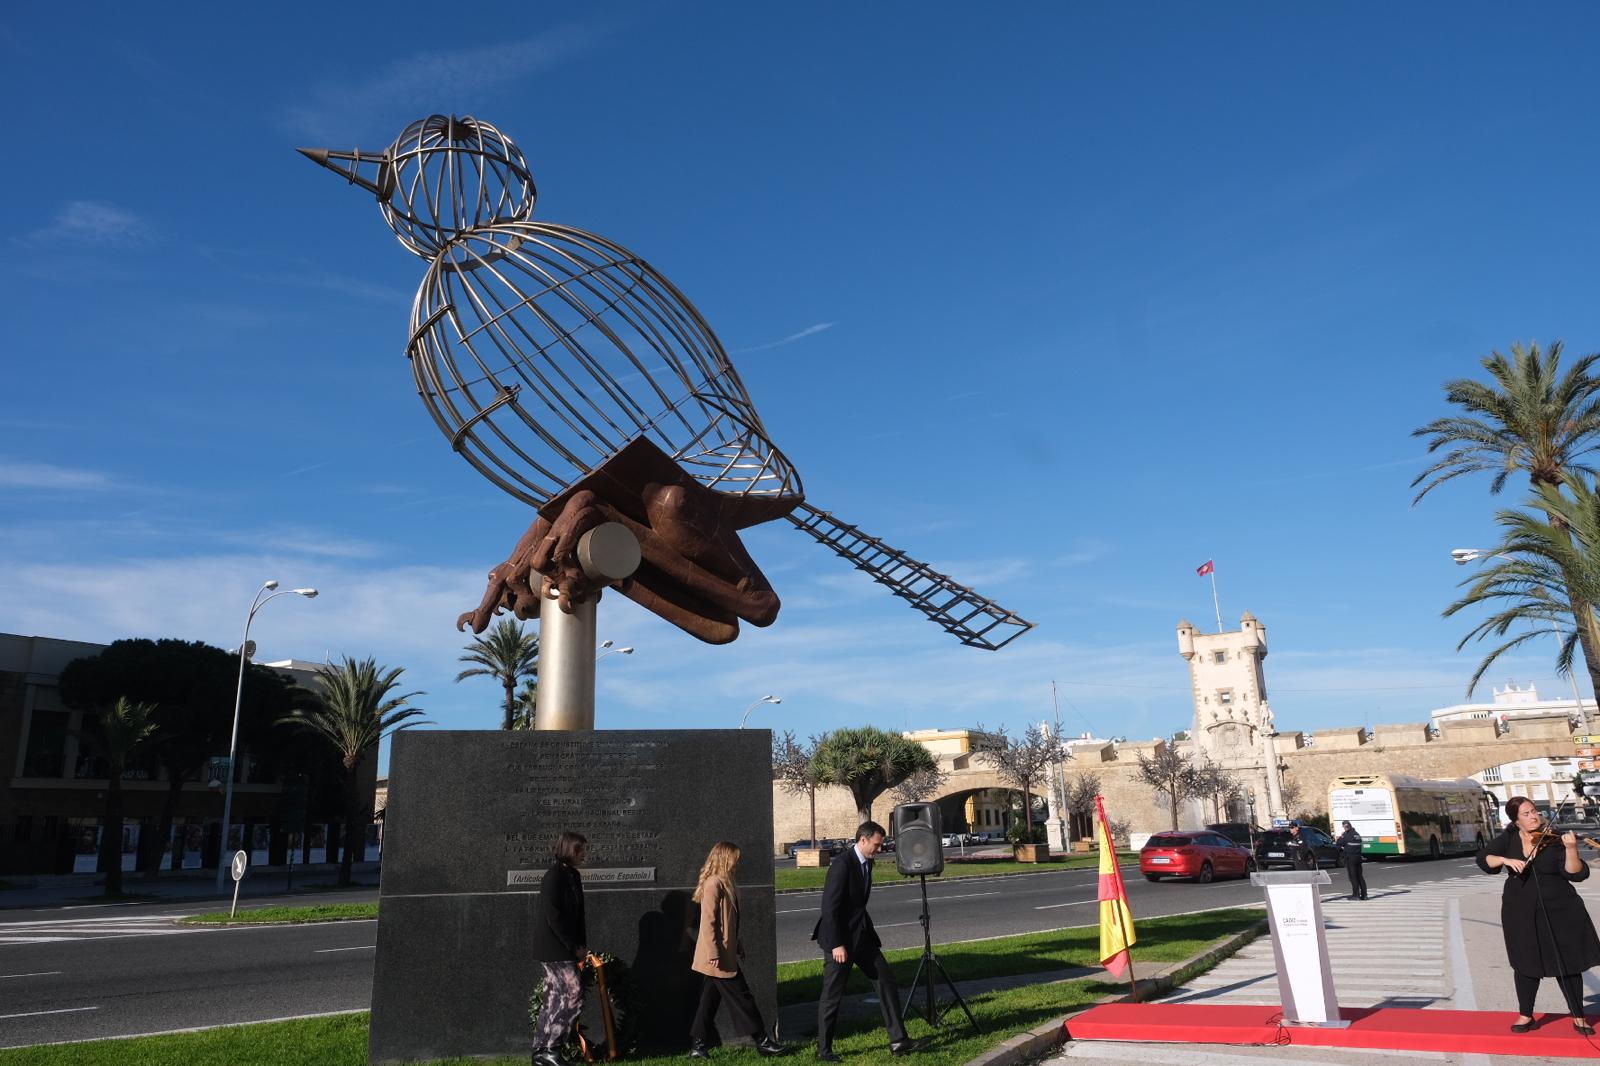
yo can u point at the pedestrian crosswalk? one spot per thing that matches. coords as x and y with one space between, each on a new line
53 930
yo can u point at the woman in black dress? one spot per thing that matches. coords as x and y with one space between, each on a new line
1547 928
559 936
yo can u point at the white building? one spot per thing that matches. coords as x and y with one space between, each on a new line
1545 781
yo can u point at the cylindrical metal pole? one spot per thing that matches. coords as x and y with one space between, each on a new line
233 747
566 665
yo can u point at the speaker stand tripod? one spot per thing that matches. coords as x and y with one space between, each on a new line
927 968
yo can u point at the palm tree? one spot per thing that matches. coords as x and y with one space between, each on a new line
1531 418
527 705
118 734
354 712
508 653
1546 575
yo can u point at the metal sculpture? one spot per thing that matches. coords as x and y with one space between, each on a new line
578 379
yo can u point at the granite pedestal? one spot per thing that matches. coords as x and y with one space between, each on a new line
471 821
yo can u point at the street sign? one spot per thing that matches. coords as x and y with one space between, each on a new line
241 859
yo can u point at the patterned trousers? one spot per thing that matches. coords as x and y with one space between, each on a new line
563 1001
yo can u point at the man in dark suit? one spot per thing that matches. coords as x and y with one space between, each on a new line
844 933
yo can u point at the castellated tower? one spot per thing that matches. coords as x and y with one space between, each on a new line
1232 721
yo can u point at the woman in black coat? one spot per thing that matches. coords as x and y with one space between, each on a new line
1546 925
559 936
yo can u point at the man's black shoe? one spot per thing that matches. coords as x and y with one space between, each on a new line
549 1057
770 1047
827 1056
906 1047
697 1049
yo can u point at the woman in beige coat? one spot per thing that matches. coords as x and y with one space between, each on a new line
718 953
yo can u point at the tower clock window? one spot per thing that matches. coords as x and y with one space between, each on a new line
1219 656
1225 696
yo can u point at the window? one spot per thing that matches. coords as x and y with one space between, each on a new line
1219 656
1225 696
47 737
1492 774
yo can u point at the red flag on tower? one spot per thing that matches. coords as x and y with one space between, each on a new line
1207 568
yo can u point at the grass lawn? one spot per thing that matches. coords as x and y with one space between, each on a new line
327 912
805 877
342 1040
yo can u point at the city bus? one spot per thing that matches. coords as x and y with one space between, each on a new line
1397 814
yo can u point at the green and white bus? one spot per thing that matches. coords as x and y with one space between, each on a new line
1397 814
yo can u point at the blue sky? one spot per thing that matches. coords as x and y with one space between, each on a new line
1064 301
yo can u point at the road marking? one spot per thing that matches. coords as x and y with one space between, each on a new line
361 947
36 1013
191 1029
968 895
896 925
41 973
1053 906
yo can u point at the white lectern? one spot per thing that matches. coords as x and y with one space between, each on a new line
1300 946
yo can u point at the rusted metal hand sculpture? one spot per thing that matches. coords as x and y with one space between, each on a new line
581 381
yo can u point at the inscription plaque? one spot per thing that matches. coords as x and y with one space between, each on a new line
471 820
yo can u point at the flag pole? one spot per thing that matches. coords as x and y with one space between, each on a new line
1214 601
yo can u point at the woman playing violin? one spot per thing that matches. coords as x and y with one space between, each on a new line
1546 926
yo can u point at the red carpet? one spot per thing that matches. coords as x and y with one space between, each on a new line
1393 1028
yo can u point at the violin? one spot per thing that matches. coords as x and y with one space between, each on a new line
1547 836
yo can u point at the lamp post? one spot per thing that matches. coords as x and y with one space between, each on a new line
753 706
1462 557
606 648
238 698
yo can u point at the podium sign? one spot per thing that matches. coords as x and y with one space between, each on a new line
1300 946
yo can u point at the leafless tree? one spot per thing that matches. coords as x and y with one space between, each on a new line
791 766
920 785
1081 788
1218 785
1170 772
1023 762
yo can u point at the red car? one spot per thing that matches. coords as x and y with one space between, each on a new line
1201 855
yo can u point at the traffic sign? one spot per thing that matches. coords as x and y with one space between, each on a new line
241 860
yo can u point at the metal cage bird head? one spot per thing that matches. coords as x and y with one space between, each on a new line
443 176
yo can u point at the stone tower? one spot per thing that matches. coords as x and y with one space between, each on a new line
1232 720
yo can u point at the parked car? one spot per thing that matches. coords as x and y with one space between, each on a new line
1275 848
1202 855
1239 832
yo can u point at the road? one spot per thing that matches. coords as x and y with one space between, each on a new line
123 969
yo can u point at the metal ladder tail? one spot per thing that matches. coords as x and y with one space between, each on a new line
974 620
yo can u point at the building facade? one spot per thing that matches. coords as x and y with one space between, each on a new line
1233 725
53 798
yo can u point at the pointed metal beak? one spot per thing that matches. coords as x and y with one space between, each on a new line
348 165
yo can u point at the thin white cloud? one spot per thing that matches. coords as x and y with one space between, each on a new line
809 331
20 475
412 87
90 221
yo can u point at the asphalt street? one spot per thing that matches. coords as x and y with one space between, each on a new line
92 971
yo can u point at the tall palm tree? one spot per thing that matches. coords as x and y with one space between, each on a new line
354 713
507 653
527 705
118 733
1532 418
1546 574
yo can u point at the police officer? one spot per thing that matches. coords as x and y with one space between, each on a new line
1350 851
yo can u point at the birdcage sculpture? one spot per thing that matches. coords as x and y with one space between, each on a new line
552 358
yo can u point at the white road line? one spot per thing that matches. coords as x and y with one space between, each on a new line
360 947
36 1013
968 895
896 925
191 1029
1053 906
41 973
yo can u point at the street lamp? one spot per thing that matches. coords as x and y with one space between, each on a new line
1462 557
238 696
753 706
606 648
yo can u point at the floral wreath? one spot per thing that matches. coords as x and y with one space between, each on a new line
624 1010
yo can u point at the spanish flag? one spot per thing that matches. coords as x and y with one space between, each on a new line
1116 923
